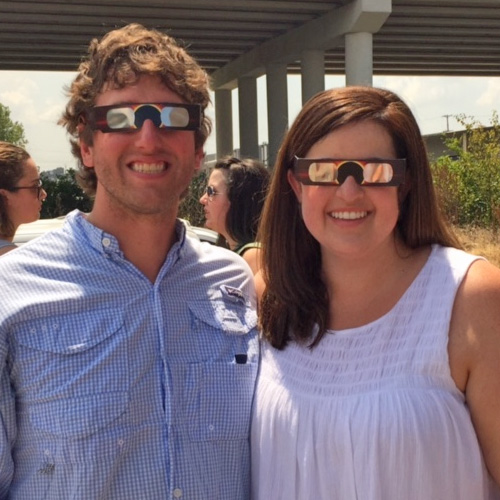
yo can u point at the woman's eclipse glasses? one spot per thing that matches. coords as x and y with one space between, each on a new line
333 172
129 117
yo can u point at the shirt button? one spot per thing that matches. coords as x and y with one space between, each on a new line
106 242
211 428
177 493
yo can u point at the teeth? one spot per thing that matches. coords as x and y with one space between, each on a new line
349 215
148 168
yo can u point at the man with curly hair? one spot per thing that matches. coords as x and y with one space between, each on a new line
128 350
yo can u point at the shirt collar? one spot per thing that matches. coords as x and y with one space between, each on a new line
107 244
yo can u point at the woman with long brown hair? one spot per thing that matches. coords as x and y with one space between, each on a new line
380 377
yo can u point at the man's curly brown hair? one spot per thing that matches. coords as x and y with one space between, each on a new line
118 60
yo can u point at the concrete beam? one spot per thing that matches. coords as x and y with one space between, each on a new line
359 59
322 33
277 108
248 119
223 122
313 73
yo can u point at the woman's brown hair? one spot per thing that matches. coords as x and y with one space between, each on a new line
295 300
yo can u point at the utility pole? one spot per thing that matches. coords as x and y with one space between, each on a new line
447 122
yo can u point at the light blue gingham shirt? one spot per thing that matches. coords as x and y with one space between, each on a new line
116 388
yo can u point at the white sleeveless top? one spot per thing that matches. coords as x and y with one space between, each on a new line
371 413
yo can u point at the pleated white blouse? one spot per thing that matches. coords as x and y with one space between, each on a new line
371 413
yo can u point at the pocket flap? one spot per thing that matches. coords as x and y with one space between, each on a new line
70 333
78 417
234 318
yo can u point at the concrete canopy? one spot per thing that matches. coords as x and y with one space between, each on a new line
237 41
420 37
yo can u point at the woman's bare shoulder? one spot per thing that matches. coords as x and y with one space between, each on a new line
252 257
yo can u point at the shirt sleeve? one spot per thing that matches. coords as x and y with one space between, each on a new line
7 424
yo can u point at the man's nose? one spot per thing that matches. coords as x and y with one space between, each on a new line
149 132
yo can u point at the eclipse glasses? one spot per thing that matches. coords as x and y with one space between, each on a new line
129 117
333 172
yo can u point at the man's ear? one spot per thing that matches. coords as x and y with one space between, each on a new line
5 195
85 150
295 184
199 158
87 154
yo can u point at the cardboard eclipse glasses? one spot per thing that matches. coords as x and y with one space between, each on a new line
129 117
333 172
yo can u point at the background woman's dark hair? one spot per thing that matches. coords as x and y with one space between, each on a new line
12 160
296 300
247 182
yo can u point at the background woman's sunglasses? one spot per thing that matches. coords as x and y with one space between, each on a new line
210 192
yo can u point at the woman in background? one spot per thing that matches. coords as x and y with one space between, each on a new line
233 203
380 372
21 192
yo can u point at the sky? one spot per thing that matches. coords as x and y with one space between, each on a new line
37 99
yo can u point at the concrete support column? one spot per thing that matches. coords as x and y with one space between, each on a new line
313 73
223 122
359 58
277 108
247 106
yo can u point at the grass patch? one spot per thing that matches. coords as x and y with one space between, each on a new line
479 241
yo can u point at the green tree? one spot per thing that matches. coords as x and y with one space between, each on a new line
468 182
11 131
191 209
63 195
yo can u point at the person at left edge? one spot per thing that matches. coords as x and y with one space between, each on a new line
128 351
21 192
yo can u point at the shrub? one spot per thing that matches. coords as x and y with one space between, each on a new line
63 195
190 208
468 183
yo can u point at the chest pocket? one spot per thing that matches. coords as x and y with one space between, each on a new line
70 372
219 390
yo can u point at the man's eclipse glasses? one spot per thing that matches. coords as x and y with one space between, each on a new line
130 117
333 172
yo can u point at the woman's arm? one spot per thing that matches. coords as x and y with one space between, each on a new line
252 257
475 355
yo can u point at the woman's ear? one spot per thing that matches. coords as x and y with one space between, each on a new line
295 184
403 190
